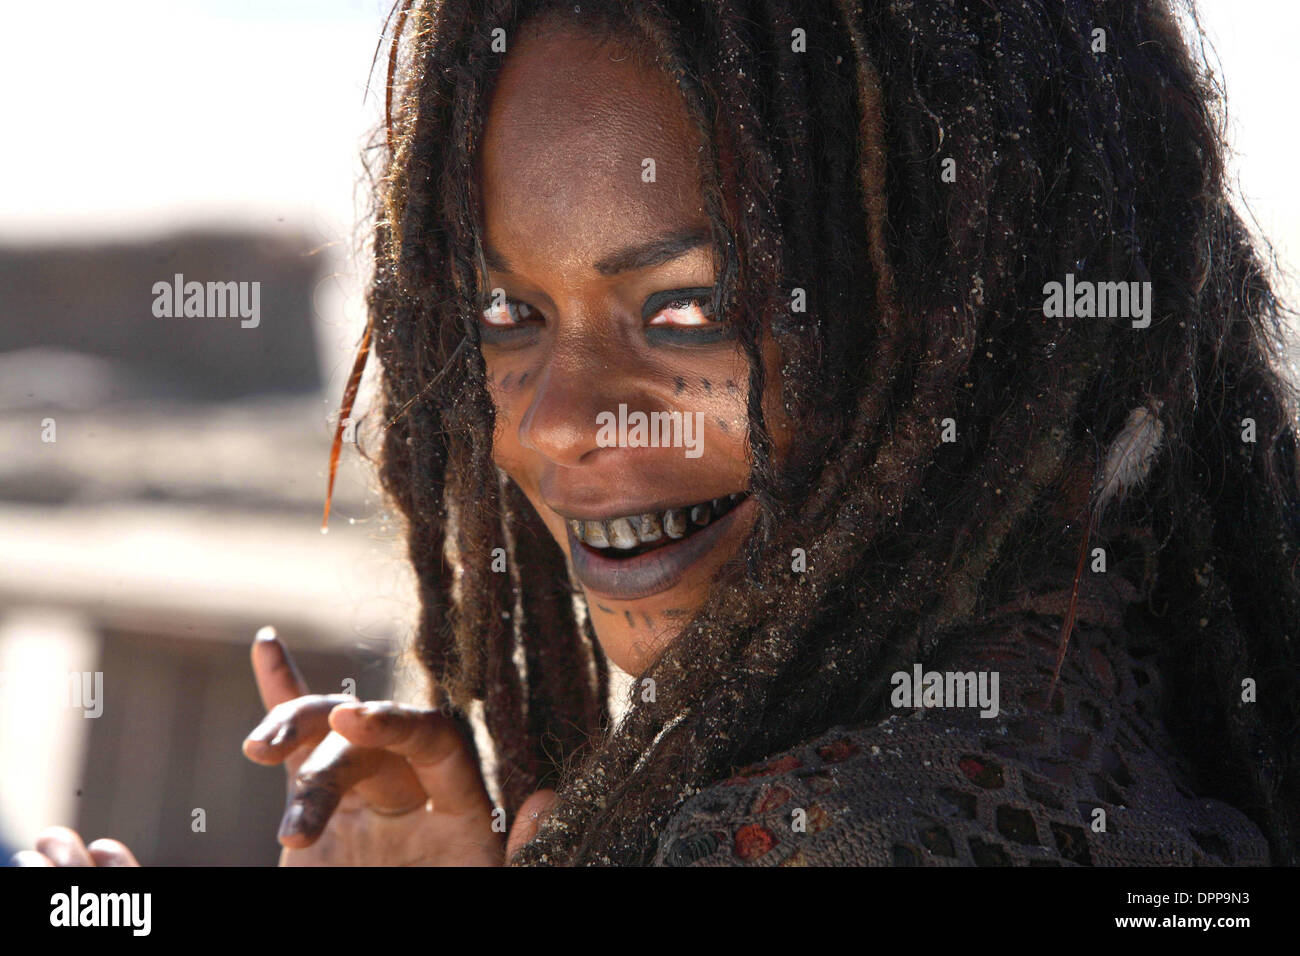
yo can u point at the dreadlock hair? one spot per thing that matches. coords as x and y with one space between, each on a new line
925 302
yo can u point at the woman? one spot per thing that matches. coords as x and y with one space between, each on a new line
982 549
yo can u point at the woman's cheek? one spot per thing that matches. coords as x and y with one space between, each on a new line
504 416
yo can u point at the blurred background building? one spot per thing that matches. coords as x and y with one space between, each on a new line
160 499
162 478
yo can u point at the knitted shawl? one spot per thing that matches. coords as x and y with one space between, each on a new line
1091 780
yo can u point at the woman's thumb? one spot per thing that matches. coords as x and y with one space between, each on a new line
529 818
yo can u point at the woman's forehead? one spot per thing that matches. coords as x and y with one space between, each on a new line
577 130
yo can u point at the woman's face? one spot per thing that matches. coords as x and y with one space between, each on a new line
601 265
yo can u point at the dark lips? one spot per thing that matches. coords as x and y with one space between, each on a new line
654 571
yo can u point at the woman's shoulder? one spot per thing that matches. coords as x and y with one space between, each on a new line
924 790
1087 781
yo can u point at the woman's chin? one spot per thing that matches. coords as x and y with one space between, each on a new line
670 588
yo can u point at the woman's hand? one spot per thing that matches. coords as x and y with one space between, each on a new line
374 784
59 846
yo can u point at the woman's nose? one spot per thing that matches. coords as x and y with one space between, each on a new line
580 381
573 387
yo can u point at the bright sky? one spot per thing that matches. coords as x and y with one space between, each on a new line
130 116
133 116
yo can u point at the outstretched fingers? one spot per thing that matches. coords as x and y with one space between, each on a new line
291 725
429 740
278 678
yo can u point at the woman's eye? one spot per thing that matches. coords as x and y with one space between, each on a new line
683 312
680 307
684 318
508 312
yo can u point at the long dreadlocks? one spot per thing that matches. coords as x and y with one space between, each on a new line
825 172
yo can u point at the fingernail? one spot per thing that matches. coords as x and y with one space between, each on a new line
266 633
260 733
281 735
292 821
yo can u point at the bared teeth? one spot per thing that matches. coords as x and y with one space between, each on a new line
632 531
651 528
621 534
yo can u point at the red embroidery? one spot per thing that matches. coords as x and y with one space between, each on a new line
841 749
753 841
771 798
788 762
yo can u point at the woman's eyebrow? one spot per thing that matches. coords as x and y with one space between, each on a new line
655 251
642 255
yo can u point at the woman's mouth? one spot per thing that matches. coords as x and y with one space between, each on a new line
634 556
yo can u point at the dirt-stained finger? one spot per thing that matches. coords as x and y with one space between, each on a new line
290 725
278 678
384 780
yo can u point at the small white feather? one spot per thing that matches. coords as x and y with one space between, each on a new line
1131 454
